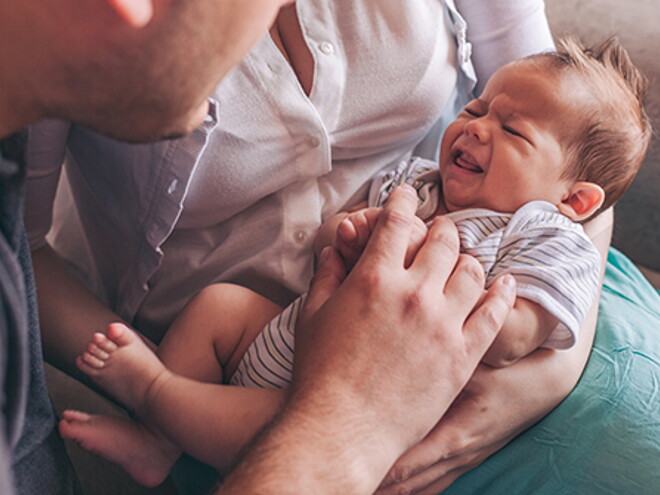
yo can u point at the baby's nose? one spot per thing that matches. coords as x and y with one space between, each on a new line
477 128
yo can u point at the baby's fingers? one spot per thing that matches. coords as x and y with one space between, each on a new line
353 233
417 238
346 232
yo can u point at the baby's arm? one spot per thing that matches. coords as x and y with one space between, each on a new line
525 329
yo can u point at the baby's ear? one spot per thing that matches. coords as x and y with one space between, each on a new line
582 200
136 13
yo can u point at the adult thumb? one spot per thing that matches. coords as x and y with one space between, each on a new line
330 273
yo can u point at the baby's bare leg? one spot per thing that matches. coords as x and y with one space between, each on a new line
209 337
214 330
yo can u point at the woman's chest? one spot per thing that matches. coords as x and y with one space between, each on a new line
367 72
381 73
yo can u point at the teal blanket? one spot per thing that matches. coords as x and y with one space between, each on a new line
605 437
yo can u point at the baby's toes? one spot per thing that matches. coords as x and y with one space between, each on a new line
75 415
120 334
89 361
104 343
96 351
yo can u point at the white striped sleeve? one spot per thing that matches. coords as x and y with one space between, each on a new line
555 265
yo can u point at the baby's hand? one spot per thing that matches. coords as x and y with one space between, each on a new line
355 229
353 233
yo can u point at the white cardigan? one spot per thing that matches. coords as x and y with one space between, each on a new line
241 198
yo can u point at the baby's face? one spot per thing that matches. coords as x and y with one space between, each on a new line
505 148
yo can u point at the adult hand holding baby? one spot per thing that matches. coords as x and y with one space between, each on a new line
392 347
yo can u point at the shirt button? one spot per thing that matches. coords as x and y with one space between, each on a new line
300 236
327 47
172 187
465 53
313 141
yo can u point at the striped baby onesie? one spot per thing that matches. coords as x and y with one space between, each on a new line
554 263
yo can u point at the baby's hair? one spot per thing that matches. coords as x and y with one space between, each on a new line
615 132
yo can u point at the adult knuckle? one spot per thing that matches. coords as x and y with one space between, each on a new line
468 460
396 218
413 302
456 445
370 280
402 490
472 269
492 317
418 233
400 473
419 227
444 231
421 302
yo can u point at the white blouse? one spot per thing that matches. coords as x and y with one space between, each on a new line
241 198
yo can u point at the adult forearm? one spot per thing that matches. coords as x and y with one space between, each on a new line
297 455
68 311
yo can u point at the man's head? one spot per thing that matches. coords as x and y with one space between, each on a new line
566 127
133 69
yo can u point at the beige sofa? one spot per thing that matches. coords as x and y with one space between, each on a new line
637 215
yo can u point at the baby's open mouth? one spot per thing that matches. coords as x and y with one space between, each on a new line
467 162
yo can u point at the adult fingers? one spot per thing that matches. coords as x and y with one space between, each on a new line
437 475
417 238
431 483
329 275
440 485
465 285
424 483
437 256
485 322
391 235
412 463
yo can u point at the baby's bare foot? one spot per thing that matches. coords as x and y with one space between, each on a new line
122 364
145 456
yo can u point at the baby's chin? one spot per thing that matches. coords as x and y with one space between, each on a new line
456 201
453 204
